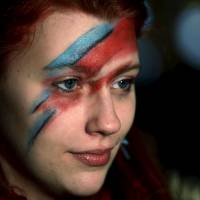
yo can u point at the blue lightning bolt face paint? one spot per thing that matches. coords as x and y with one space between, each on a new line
38 102
81 46
39 125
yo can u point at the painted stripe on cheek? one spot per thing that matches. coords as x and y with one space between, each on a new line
81 46
39 125
38 102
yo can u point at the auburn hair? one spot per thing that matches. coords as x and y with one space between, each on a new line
136 179
19 17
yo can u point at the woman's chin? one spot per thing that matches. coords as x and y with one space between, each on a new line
87 191
88 184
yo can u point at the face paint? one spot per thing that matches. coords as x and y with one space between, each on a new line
38 102
121 41
61 101
43 103
43 119
81 46
95 48
97 85
88 54
39 125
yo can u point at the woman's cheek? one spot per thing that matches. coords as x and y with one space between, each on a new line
49 107
61 101
126 110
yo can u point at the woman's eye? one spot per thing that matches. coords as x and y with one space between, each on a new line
68 85
123 84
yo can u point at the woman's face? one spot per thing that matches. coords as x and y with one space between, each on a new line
68 100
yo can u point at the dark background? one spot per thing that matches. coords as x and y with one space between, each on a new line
168 103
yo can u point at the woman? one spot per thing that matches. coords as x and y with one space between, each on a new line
68 101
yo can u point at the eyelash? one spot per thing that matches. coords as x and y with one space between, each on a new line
74 84
126 83
72 81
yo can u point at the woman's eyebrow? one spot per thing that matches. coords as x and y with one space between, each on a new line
80 47
130 68
116 72
122 69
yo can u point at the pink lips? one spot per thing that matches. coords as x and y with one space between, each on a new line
95 158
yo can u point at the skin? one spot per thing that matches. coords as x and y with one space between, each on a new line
96 114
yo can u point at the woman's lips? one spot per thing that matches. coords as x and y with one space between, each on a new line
94 158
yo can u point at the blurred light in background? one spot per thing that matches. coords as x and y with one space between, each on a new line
150 57
187 36
148 23
151 61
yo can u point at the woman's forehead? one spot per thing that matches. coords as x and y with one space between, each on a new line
98 46
59 32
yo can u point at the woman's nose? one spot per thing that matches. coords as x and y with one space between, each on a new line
103 118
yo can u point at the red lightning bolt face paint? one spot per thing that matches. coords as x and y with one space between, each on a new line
98 84
121 41
61 100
